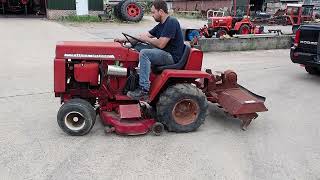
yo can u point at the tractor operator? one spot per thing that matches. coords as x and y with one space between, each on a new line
167 37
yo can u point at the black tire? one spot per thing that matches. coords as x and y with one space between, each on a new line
89 106
137 11
170 101
243 27
117 11
210 33
220 32
82 111
312 70
157 129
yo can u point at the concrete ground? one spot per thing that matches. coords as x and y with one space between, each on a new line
282 143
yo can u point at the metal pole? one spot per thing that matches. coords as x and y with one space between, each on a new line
248 9
46 8
234 8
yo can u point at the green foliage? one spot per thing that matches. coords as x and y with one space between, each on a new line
146 6
86 18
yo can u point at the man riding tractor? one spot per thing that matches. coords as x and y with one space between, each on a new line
166 47
94 78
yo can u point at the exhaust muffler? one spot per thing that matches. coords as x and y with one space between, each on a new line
114 70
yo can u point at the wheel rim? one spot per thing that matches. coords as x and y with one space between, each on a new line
74 121
185 111
133 10
245 30
157 128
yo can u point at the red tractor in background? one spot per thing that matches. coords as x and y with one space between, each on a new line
232 24
92 78
294 14
297 14
228 25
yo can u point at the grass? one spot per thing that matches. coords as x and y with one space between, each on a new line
80 19
92 19
88 18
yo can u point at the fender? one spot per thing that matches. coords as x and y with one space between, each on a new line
238 25
243 21
59 76
161 79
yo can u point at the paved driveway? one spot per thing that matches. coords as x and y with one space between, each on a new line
281 144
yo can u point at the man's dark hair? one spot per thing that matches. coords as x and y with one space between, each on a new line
160 4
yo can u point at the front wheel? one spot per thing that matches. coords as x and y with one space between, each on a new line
182 108
220 33
76 117
209 34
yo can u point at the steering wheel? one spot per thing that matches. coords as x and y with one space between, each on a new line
127 36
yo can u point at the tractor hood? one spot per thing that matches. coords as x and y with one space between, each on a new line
94 51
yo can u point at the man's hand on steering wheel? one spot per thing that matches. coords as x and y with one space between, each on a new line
120 40
134 40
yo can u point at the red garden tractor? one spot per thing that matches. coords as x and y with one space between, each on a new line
232 24
92 78
294 14
297 14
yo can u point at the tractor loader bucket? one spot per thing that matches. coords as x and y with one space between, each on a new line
241 103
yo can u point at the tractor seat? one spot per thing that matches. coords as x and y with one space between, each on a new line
179 65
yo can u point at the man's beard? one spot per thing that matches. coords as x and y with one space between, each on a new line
157 20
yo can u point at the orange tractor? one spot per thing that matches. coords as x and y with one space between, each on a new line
238 22
228 25
294 14
297 14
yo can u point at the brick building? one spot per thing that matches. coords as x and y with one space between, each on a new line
204 5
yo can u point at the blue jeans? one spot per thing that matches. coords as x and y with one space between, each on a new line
148 58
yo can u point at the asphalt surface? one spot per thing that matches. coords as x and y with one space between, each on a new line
282 143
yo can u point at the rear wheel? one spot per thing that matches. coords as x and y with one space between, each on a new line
76 117
131 11
244 29
182 108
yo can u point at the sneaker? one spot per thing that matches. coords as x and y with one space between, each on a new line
138 94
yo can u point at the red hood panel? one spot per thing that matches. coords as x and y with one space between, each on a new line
91 50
